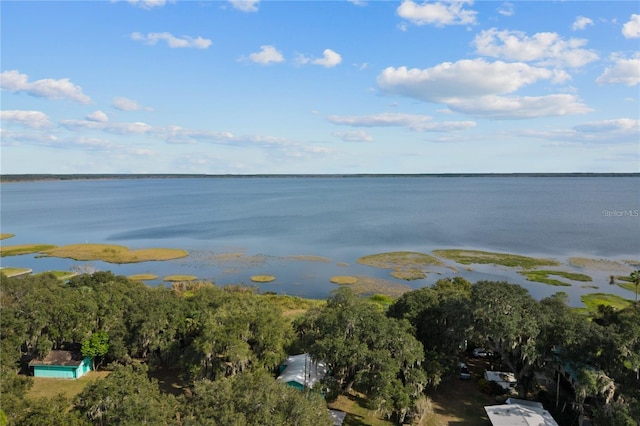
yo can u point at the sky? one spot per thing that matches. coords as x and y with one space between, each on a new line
315 87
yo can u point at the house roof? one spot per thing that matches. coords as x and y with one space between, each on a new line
519 415
299 365
60 358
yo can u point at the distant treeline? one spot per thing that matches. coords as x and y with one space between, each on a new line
52 177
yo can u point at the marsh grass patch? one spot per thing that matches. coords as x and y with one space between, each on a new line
468 257
409 275
179 278
143 277
343 280
113 253
263 278
24 249
593 300
406 265
544 276
369 286
603 265
5 236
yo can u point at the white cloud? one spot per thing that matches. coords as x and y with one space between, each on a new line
411 121
353 136
632 28
125 104
506 9
464 78
624 71
172 41
31 119
329 59
541 48
358 2
519 107
148 4
97 116
615 131
48 88
267 55
437 13
581 23
245 5
136 128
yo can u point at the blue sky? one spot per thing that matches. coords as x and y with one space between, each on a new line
246 87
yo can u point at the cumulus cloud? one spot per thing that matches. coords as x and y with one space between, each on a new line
506 9
358 2
329 59
519 107
267 54
614 131
581 23
624 71
437 13
126 104
245 5
115 128
148 4
632 28
411 121
31 119
16 82
541 48
464 78
97 116
172 41
353 136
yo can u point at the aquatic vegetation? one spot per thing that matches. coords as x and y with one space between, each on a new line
263 278
24 249
599 264
409 275
143 277
12 272
113 253
543 276
344 280
467 257
309 258
593 300
176 278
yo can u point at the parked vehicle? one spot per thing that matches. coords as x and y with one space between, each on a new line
464 374
481 353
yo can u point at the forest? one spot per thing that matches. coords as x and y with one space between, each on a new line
227 342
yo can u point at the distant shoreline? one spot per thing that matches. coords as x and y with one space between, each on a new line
60 177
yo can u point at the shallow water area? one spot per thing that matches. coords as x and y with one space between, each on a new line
234 228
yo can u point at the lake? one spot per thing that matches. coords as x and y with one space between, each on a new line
235 227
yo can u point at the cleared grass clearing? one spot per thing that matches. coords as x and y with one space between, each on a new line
357 413
61 275
468 257
113 253
49 388
24 249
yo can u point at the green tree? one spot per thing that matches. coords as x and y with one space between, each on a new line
252 398
366 350
635 279
508 321
96 346
126 397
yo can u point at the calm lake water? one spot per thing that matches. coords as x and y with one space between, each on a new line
270 219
